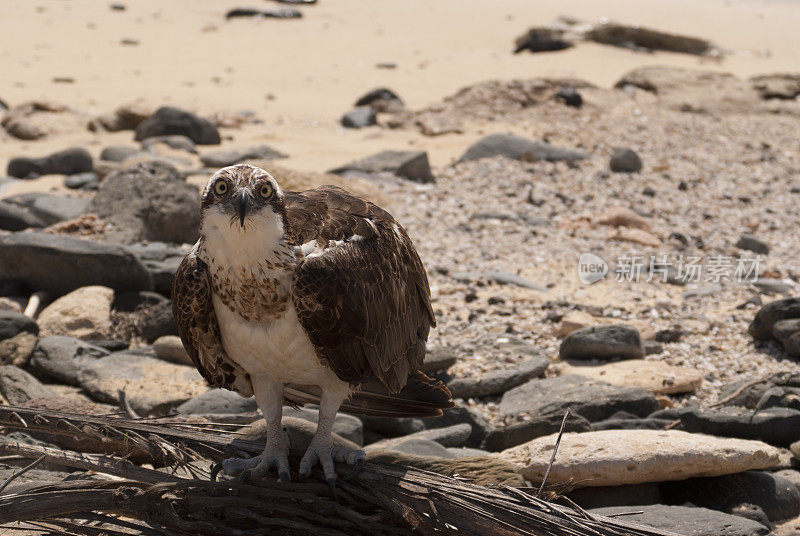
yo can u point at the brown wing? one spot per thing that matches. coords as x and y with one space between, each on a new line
197 325
364 300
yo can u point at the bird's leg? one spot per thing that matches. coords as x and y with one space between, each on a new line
269 396
322 450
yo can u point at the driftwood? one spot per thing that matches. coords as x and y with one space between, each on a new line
385 499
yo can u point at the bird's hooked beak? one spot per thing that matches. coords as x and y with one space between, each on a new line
243 202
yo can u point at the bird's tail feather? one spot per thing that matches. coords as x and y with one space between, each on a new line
421 397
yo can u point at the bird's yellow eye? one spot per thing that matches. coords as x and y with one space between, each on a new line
266 190
220 187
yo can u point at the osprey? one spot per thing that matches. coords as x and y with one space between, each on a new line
313 296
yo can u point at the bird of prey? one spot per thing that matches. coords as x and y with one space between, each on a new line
313 296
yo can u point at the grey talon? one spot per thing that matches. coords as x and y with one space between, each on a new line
332 485
354 472
244 476
285 477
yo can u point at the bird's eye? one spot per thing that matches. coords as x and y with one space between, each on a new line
220 187
266 190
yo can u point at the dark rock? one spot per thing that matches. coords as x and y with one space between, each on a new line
783 329
130 301
792 475
780 397
51 208
110 345
297 2
602 342
218 401
592 400
542 40
363 116
68 162
646 423
673 334
13 323
775 495
155 321
462 415
169 120
652 347
58 264
284 13
118 153
163 272
448 436
506 436
89 181
748 397
792 345
224 158
776 426
173 141
382 100
783 86
751 243
346 426
152 386
412 165
148 201
439 359
15 218
392 426
772 286
506 278
518 148
570 97
761 326
18 386
626 495
499 381
623 35
62 359
625 160
687 520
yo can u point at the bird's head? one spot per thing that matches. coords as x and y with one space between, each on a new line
242 196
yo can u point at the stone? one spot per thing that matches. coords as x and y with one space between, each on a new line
150 201
174 141
752 243
542 39
518 148
438 359
360 117
687 521
772 286
152 386
346 426
613 33
450 436
13 323
264 13
169 120
761 326
84 313
776 426
218 402
506 278
392 426
505 436
592 400
39 119
623 217
625 160
88 181
18 386
62 359
418 446
155 321
498 382
618 341
125 117
16 218
17 350
636 423
780 397
382 100
792 345
229 157
615 457
776 496
129 302
635 236
51 208
655 376
460 414
570 97
602 497
466 452
783 86
412 165
118 153
170 348
67 162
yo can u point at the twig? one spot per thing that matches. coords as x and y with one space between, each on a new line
125 406
567 414
21 472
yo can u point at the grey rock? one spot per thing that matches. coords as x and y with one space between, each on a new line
499 381
174 141
761 326
462 415
638 37
163 272
169 120
130 301
792 345
229 157
13 323
58 264
422 447
518 148
752 243
148 201
506 278
284 13
652 347
777 497
687 521
51 208
602 342
510 435
594 401
18 386
780 397
63 358
67 162
792 475
570 97
645 423
439 359
87 181
466 452
703 290
118 153
412 165
218 401
363 116
155 321
776 426
382 100
392 426
16 218
542 39
450 436
625 160
346 426
772 286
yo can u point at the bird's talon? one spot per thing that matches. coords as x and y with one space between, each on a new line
215 469
332 485
285 477
354 472
244 477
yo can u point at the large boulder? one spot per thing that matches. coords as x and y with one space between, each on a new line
150 201
59 264
615 457
169 120
84 313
